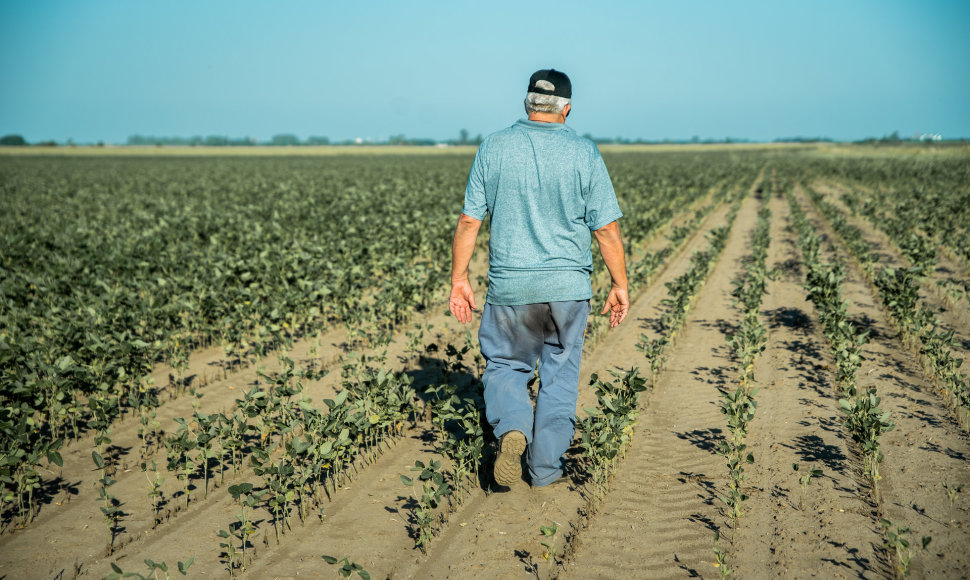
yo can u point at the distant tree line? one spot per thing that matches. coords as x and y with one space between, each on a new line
284 139
290 140
641 141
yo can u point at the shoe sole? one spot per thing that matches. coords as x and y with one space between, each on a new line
508 463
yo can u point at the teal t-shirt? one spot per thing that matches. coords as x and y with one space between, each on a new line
546 189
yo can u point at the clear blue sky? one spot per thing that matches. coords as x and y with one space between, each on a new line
103 70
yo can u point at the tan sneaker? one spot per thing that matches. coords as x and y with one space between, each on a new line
508 462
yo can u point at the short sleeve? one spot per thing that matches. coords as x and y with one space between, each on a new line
475 206
601 205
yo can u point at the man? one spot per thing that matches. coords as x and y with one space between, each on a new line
546 189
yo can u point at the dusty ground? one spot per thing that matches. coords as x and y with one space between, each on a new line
661 513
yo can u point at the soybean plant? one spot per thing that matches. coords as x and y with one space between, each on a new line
155 482
112 513
423 508
347 567
208 434
720 559
178 448
153 569
279 482
653 349
242 528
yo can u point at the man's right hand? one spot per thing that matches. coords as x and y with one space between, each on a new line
618 305
462 301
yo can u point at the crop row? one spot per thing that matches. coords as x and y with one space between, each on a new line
916 321
929 194
747 343
862 417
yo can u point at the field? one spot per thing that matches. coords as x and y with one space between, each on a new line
243 366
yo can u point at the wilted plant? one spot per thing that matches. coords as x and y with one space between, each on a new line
720 559
951 491
550 537
805 480
897 540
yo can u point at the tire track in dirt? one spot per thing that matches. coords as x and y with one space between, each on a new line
659 518
927 446
832 534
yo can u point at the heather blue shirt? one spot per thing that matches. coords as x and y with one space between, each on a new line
546 189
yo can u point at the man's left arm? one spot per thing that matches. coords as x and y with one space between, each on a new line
462 300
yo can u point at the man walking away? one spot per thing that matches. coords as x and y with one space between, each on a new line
546 189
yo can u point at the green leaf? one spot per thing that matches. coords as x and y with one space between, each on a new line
64 363
98 460
329 559
407 480
184 566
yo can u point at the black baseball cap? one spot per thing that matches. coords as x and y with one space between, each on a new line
560 85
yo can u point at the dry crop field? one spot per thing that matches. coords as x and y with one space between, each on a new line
243 367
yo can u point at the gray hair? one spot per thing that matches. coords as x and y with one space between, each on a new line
540 103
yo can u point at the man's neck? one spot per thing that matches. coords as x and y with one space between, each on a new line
547 117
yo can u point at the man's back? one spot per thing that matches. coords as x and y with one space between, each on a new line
545 188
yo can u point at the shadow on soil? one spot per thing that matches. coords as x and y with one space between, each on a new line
787 317
704 439
812 449
853 564
949 452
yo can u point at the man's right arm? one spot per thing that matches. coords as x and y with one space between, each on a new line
462 300
611 248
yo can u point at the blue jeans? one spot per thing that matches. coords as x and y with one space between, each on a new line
513 338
